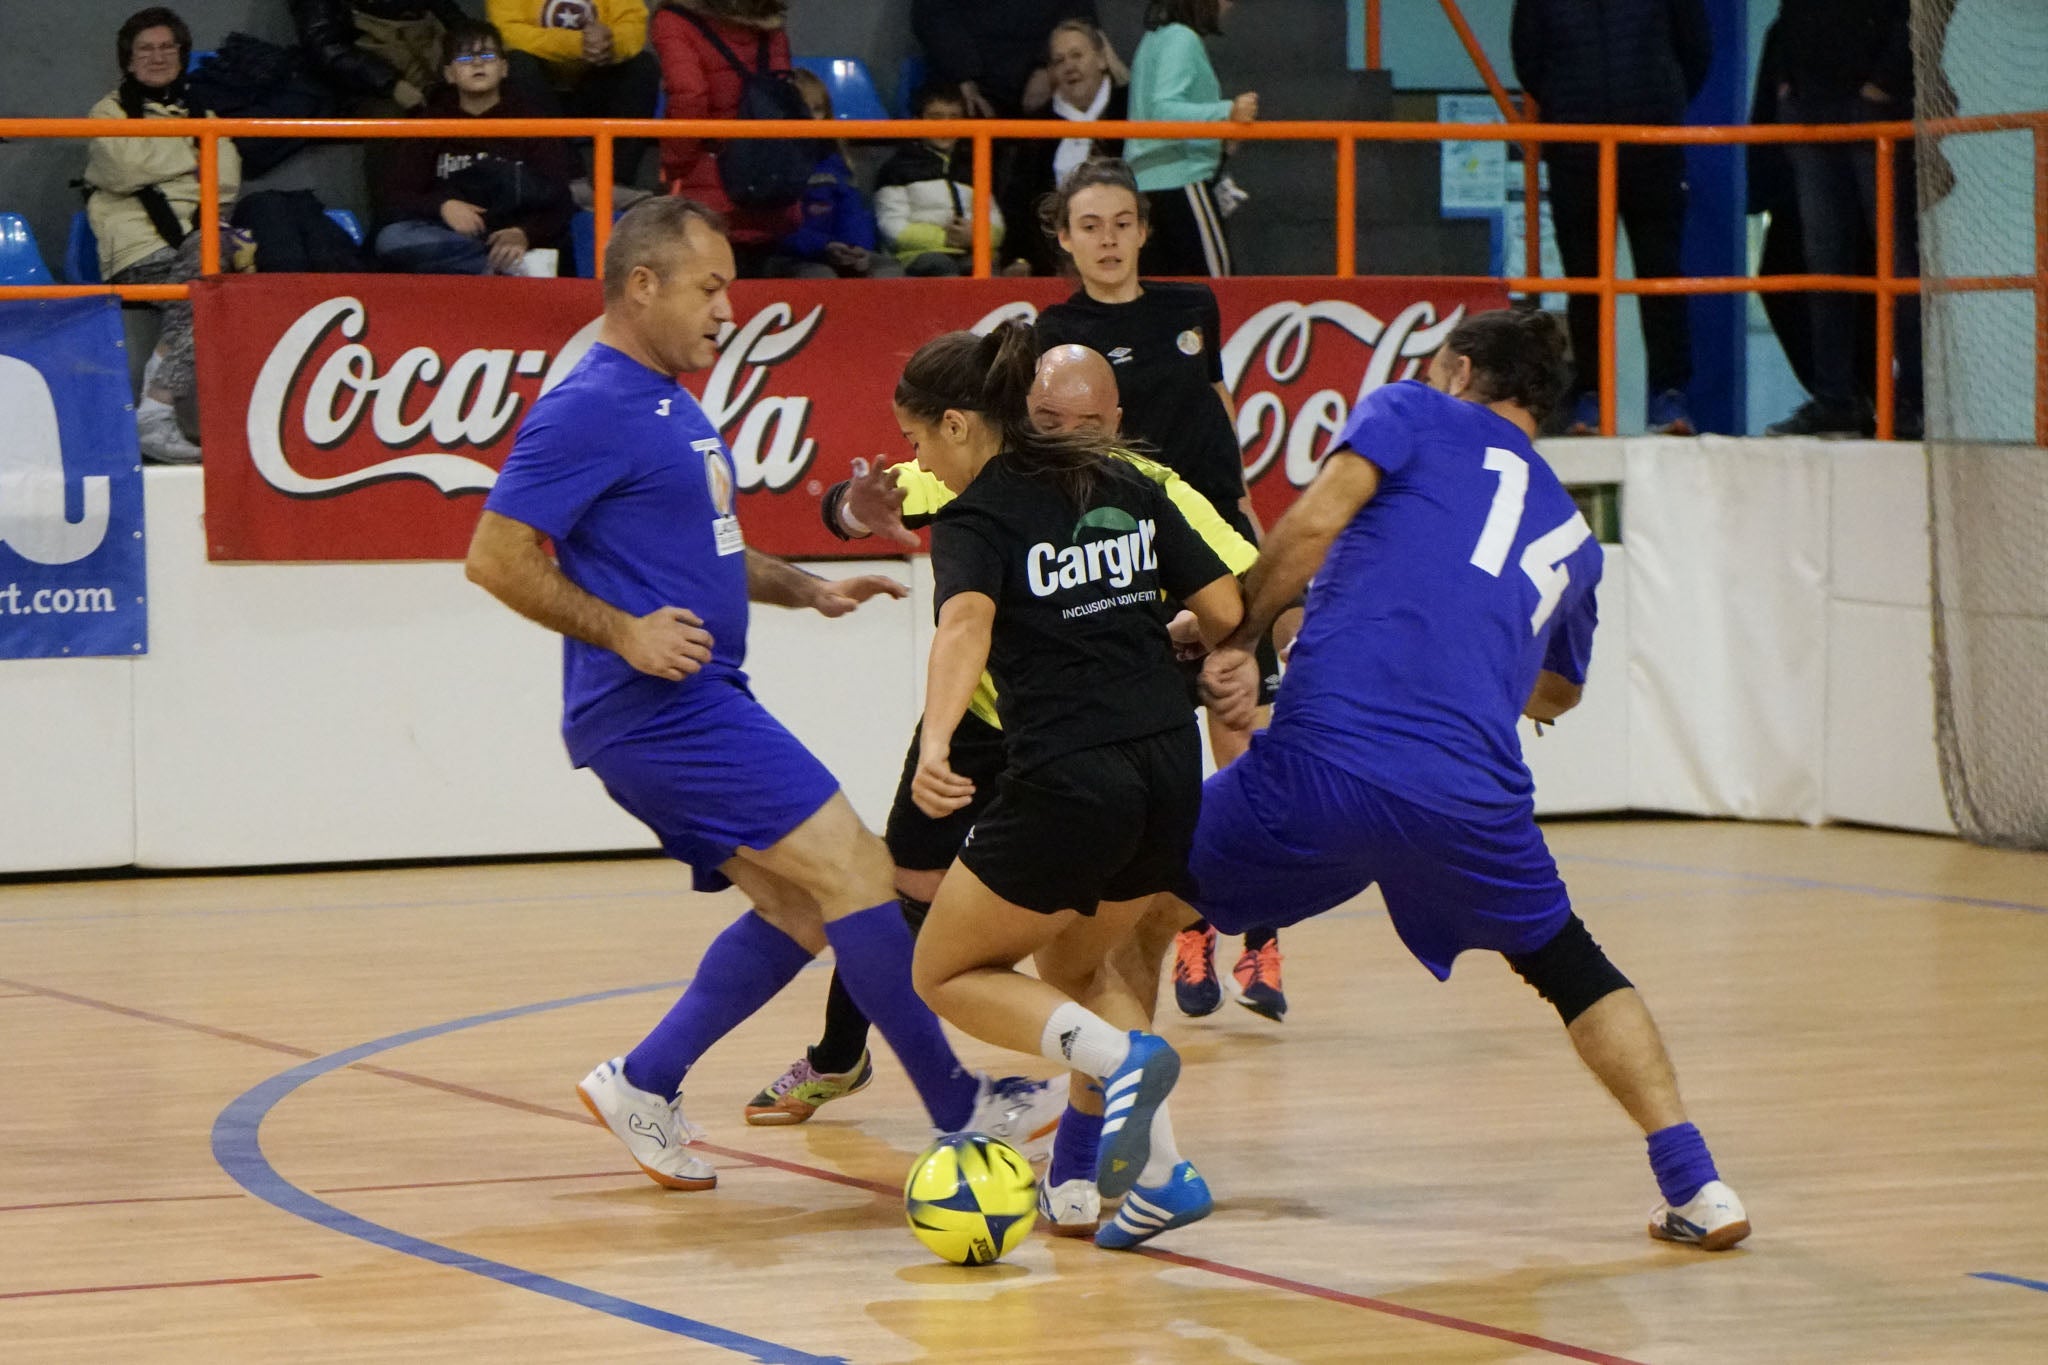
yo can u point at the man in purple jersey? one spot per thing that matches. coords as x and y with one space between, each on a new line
1452 593
622 471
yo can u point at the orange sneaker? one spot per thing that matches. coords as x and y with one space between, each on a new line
1195 988
1258 981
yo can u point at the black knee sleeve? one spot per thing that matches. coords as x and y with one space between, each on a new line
914 911
1570 971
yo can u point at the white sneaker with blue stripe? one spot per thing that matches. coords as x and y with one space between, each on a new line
1130 1096
1149 1210
1712 1220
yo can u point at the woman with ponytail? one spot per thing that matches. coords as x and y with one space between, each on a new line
1051 566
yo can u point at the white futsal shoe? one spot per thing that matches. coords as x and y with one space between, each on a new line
1713 1221
653 1129
1070 1209
1020 1111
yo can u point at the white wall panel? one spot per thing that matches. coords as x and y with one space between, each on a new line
1878 523
67 764
1881 762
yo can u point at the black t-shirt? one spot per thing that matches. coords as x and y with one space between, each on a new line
1079 651
1166 347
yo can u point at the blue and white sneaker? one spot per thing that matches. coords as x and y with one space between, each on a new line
1713 1220
1071 1208
1130 1097
1149 1210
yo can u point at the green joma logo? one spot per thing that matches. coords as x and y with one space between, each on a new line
1114 520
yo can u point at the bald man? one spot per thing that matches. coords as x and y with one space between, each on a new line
1076 389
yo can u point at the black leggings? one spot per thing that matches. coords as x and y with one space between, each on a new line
1187 234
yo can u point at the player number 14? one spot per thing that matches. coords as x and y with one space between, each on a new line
1542 558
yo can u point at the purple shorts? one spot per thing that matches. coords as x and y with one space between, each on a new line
713 778
1285 835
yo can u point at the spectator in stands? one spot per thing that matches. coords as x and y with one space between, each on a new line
585 59
474 206
144 208
993 53
1619 61
835 238
1773 193
924 195
1850 61
701 83
1172 79
1087 85
382 56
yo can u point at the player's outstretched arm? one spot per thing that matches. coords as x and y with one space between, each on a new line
959 656
782 584
507 560
1298 543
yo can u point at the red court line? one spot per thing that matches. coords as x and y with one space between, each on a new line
614 1174
166 1020
1258 1277
167 1284
1533 1342
137 1199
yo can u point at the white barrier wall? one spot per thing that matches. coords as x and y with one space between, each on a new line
1764 652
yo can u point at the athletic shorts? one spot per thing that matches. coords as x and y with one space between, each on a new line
713 778
1111 823
1268 657
1285 835
916 841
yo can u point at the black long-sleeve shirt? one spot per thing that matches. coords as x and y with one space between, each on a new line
997 44
1612 61
1833 48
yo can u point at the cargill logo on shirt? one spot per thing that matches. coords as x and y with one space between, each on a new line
1117 558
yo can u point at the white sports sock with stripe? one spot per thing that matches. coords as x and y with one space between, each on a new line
1165 1156
1084 1040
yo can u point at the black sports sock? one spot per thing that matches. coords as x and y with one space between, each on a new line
1200 926
1259 938
846 1032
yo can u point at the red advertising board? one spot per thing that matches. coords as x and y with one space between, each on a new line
363 417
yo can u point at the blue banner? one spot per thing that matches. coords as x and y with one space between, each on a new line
72 577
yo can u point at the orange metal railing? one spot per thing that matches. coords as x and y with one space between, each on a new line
1885 286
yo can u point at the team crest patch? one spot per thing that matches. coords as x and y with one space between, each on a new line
718 478
1190 341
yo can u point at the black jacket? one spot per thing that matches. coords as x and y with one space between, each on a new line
518 182
327 31
1833 48
997 44
1612 61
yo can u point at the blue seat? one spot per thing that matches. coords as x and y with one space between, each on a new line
910 76
199 59
82 251
348 223
20 261
848 82
583 242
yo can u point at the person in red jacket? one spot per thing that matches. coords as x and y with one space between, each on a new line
701 83
474 206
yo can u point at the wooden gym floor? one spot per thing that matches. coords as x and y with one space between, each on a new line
329 1117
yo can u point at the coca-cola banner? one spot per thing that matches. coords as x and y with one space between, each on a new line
364 417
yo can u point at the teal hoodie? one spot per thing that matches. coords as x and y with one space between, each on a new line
1172 81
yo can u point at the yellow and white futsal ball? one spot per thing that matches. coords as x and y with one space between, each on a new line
971 1198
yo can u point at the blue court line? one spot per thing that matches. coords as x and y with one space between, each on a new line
1809 883
238 1147
2010 1279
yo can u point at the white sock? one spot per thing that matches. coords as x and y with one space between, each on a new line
146 405
1165 1156
1083 1040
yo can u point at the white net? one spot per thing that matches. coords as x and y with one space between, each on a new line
1987 474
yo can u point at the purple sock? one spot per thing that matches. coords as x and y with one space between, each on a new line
873 948
1682 1163
1073 1147
742 970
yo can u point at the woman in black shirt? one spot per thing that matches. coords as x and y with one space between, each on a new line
1050 566
1166 341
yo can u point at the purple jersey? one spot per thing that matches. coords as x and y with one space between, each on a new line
1469 572
621 469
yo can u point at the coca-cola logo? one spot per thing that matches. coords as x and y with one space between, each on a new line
334 396
1266 429
337 398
